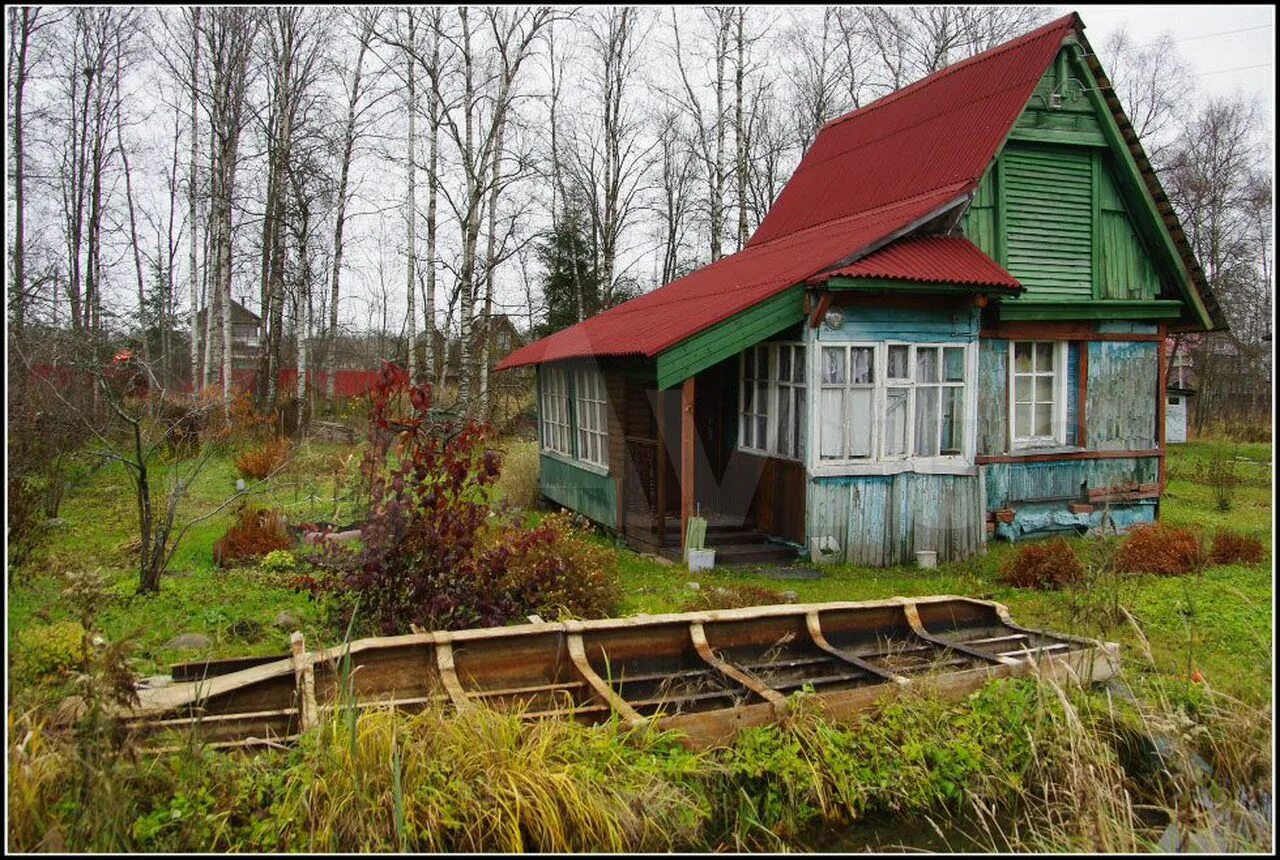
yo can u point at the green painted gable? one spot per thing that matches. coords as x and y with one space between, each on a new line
1064 210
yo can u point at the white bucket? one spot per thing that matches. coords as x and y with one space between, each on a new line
701 559
926 558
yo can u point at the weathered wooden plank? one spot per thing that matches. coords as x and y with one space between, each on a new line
1123 397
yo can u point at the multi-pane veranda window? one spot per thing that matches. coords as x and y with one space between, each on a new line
555 411
593 421
1038 368
891 401
773 418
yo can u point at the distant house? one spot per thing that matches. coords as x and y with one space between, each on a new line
950 326
246 335
504 339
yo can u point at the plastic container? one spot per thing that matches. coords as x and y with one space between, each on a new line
701 559
926 558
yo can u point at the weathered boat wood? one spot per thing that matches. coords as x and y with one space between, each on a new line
704 674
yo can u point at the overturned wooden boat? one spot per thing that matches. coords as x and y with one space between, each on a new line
704 674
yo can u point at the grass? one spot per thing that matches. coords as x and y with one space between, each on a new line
1018 766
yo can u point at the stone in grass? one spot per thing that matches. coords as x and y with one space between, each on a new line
693 586
790 596
287 620
189 642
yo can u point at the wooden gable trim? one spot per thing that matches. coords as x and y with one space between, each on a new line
729 337
1131 181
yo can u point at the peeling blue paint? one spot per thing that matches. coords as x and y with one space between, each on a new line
1045 519
911 325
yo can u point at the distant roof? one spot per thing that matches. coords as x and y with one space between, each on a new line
928 259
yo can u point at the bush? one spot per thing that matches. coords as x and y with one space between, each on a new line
263 460
278 560
1051 564
432 553
552 570
1158 548
1234 548
254 534
51 649
732 597
1220 475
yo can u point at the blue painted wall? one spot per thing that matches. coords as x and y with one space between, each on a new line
912 325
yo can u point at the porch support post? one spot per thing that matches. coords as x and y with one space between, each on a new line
660 508
686 457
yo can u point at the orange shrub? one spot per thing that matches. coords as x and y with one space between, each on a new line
1050 564
1158 548
256 532
261 461
1232 548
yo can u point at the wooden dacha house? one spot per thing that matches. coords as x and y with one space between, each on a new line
950 327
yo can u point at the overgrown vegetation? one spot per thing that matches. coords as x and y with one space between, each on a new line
1075 767
431 551
263 460
1232 548
256 533
1048 564
1197 680
1160 548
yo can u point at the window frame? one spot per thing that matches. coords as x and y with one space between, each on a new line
794 389
590 398
555 436
961 462
1058 435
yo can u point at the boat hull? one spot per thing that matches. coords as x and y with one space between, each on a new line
705 675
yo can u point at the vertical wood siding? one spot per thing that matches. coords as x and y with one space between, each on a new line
993 396
1124 270
1120 413
883 520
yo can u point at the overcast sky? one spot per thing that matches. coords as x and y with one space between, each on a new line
1230 47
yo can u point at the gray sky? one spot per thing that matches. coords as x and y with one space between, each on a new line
1231 48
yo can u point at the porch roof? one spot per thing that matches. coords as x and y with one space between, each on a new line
930 260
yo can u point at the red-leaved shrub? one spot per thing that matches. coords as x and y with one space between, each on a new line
431 552
1158 548
256 532
1234 548
1049 564
262 460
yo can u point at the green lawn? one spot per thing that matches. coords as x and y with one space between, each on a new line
1218 622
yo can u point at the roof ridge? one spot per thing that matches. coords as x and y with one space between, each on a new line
983 56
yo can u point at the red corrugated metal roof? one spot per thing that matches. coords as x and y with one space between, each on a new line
655 321
931 259
869 175
943 129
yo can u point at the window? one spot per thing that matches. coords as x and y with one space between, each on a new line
555 411
847 378
755 399
593 419
1037 401
790 398
892 401
504 340
773 418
